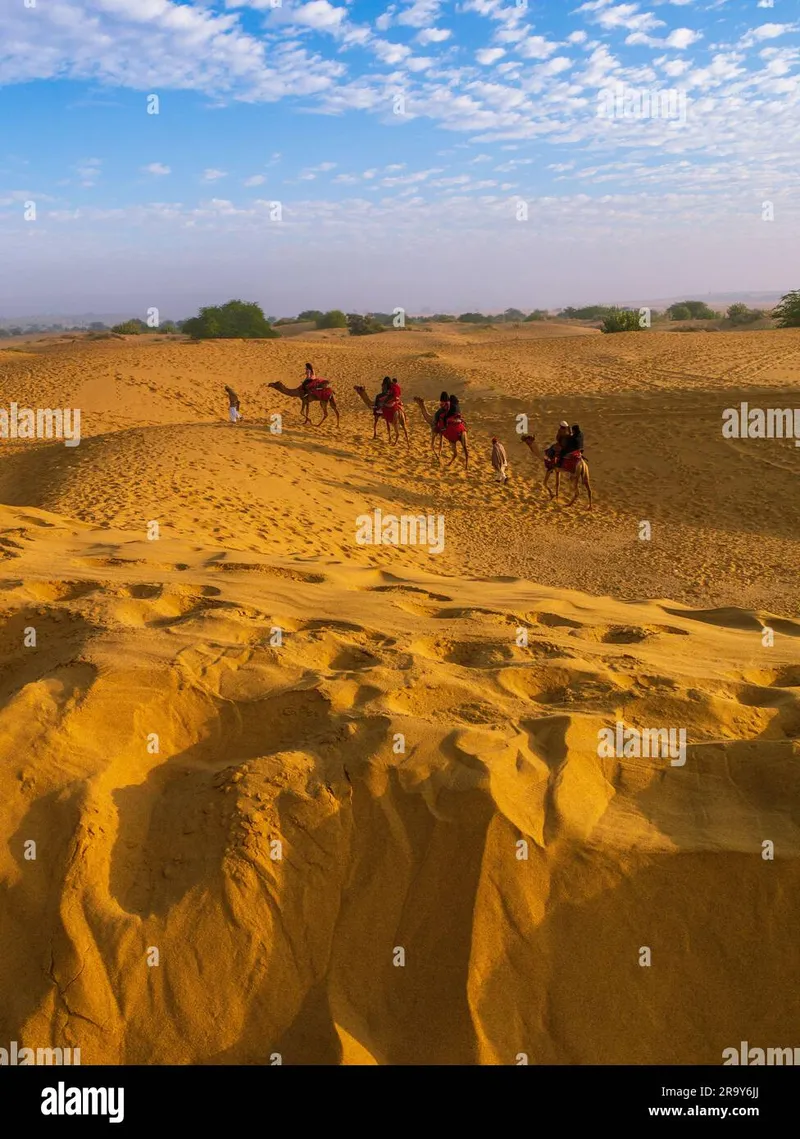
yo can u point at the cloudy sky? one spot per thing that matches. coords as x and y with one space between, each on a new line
424 154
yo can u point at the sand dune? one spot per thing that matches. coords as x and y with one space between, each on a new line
400 727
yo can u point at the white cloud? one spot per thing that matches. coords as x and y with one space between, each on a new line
390 52
488 55
157 168
433 35
255 180
212 175
420 14
536 47
621 16
156 45
766 32
682 37
317 14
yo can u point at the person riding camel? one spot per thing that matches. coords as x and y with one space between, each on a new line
554 451
382 397
572 450
394 400
310 379
440 415
454 425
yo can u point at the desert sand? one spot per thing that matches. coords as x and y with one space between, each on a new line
279 758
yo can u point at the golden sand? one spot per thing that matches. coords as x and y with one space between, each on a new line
396 744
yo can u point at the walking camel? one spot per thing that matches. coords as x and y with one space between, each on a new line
321 394
392 417
454 432
577 473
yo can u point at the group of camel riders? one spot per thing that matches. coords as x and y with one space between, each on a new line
447 422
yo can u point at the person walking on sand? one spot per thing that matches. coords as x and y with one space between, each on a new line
234 415
499 460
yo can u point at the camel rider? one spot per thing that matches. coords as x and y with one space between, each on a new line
554 451
310 379
382 396
453 413
393 401
573 443
441 412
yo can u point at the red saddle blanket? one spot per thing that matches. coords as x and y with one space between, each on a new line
571 461
454 429
390 408
321 389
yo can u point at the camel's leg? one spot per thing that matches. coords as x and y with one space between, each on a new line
454 456
466 452
374 426
405 428
335 409
304 408
588 486
558 482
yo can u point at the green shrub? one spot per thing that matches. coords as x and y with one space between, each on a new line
787 311
621 320
236 320
333 319
358 325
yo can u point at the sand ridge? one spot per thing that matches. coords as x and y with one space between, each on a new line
375 712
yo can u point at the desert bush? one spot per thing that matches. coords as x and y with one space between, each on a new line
787 311
333 319
358 325
696 310
621 320
236 320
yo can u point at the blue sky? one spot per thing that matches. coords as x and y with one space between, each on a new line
422 154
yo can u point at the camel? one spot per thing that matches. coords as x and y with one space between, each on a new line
580 476
307 398
440 436
398 419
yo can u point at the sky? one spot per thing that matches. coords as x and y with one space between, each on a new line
425 155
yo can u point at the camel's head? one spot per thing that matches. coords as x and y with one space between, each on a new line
358 388
272 385
529 439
